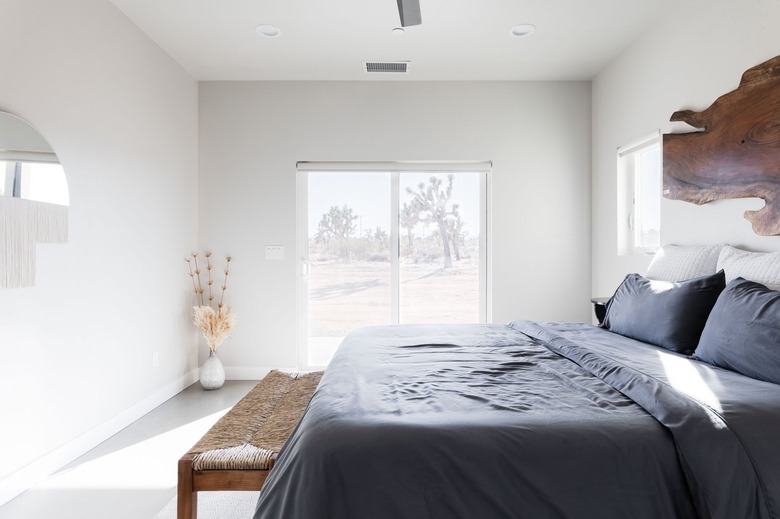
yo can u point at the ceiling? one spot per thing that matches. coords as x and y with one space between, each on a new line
330 40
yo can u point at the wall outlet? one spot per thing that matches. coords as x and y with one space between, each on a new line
155 359
274 252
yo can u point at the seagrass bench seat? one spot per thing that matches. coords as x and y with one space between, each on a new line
238 452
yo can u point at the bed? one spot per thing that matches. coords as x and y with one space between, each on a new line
641 418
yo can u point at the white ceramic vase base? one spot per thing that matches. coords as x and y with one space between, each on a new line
212 374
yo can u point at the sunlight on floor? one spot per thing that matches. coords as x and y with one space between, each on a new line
128 468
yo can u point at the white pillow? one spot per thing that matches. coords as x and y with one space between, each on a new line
682 262
761 267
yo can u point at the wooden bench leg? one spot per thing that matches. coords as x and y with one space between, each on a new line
187 498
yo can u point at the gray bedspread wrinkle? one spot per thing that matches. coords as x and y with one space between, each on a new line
471 421
726 426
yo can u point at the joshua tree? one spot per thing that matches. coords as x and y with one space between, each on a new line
408 217
338 222
381 236
457 234
431 204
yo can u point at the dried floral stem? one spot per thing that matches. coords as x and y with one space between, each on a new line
192 275
198 284
210 281
224 284
198 289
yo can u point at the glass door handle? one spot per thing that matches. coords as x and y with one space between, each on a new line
305 268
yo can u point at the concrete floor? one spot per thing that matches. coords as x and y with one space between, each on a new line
132 475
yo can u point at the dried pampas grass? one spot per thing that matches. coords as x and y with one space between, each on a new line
215 325
216 321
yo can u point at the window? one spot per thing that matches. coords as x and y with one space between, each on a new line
41 181
639 196
385 243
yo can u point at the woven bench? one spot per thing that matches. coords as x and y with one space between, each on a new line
240 449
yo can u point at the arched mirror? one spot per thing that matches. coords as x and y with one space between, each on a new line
33 200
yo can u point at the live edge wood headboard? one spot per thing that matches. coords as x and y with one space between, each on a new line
737 155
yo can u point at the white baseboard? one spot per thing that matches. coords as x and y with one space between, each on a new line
28 476
251 373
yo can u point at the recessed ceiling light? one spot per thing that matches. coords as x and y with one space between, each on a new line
267 30
522 30
398 31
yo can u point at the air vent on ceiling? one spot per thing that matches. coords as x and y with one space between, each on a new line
386 67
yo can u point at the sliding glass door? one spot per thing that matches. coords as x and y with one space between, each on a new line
440 253
382 245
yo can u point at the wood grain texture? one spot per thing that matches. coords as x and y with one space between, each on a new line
228 480
187 498
737 153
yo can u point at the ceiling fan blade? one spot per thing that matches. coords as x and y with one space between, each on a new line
410 12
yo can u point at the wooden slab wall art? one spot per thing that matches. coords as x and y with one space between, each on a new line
737 155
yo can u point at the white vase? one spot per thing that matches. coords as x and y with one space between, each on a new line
212 374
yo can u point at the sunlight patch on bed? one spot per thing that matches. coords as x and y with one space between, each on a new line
684 376
129 468
658 287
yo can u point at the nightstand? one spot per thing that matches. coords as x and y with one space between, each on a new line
600 307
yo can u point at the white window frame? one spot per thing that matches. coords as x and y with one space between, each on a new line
395 169
631 210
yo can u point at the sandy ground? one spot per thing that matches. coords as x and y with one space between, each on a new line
346 295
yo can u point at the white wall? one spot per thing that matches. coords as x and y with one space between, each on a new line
122 117
253 133
696 53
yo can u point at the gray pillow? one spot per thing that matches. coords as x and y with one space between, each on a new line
667 314
743 331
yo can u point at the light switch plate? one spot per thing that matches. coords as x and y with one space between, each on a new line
274 252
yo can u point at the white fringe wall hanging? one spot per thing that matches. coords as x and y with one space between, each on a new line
23 223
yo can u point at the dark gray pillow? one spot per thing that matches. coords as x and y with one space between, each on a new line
743 331
667 314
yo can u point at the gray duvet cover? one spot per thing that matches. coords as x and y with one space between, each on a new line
526 421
